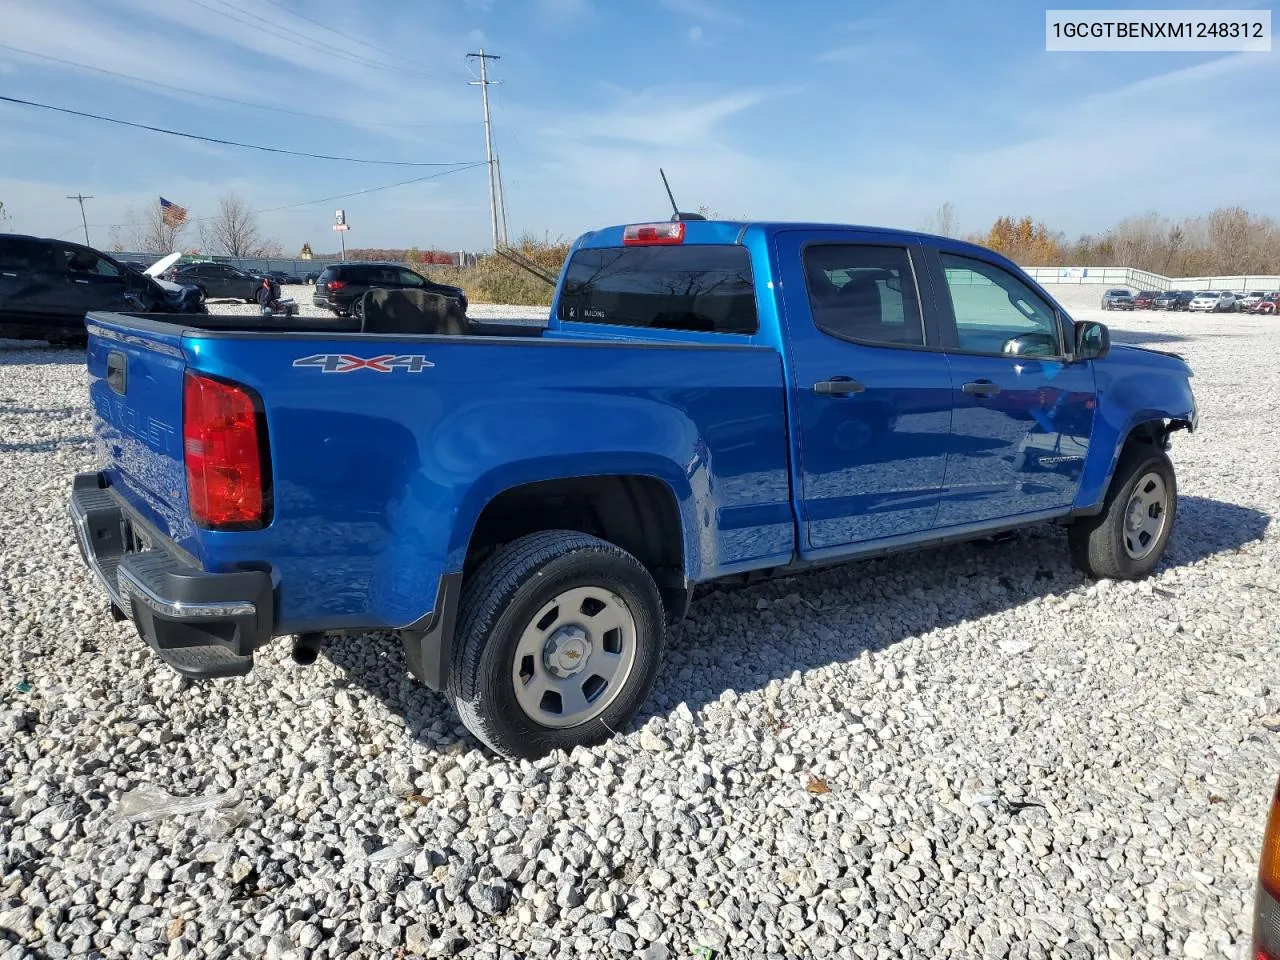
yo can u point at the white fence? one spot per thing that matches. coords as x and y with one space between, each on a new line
1143 280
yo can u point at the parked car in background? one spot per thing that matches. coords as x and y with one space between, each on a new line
1246 301
341 286
1117 299
47 287
1173 300
312 276
1269 304
284 276
1145 299
1212 301
218 281
1266 898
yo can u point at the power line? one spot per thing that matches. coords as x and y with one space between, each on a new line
386 186
233 143
340 33
82 198
338 196
231 100
257 21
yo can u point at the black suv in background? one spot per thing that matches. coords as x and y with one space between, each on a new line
218 281
341 286
1173 300
47 287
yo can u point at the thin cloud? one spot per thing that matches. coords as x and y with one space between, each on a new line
704 11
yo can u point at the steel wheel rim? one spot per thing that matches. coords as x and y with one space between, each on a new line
1145 516
574 657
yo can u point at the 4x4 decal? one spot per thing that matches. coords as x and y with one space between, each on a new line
347 363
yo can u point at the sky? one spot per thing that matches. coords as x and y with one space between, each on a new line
817 110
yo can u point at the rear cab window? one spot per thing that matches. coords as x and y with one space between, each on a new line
697 288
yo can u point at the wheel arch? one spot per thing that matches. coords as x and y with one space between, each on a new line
642 512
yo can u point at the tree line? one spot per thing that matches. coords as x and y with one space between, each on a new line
1224 242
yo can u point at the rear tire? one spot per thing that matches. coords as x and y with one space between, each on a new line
552 627
1127 539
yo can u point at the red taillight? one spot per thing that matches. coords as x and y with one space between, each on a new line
225 450
336 284
653 234
1269 862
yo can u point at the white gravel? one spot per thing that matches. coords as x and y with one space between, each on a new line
971 752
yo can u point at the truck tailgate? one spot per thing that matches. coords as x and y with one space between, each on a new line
135 389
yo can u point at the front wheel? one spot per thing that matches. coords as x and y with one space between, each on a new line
1127 539
560 636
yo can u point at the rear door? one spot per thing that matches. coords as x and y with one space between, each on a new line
31 282
1022 413
870 388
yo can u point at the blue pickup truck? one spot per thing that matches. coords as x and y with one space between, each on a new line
530 507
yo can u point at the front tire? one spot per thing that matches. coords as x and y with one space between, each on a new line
1127 539
560 636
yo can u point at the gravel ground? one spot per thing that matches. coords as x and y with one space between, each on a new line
971 752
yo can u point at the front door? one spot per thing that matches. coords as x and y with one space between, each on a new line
871 400
1022 413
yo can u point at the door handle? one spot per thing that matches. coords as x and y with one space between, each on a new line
79 281
981 388
838 387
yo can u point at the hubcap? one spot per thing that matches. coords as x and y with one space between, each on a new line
1145 516
574 657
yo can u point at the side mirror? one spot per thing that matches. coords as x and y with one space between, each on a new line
1093 340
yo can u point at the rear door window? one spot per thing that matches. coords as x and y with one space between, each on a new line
700 288
864 293
23 256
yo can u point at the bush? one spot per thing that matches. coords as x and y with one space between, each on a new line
495 280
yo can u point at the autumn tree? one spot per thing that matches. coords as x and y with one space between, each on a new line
1025 241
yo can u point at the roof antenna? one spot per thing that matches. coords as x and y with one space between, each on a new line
676 214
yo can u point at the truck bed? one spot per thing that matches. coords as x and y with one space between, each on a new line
384 449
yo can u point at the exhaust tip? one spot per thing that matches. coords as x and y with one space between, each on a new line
306 648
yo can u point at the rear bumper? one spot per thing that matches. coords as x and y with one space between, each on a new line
202 624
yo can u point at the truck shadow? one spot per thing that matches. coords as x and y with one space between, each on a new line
742 637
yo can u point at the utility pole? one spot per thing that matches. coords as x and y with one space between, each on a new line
502 199
82 198
483 84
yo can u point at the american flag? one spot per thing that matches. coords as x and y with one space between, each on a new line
172 214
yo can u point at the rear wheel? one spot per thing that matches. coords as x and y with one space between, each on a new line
357 309
1127 539
559 638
